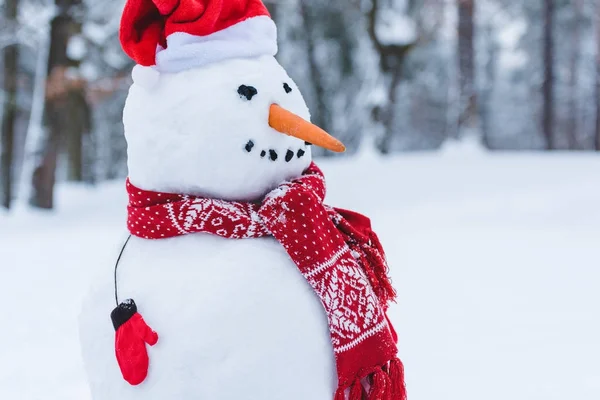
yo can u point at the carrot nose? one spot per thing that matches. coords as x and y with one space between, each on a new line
291 124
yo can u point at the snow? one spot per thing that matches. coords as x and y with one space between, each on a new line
115 58
76 48
89 71
211 300
469 146
35 131
494 258
146 77
180 130
100 32
510 37
395 28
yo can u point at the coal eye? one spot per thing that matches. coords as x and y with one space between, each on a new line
247 91
287 88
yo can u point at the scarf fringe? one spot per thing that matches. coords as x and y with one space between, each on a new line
386 291
372 259
398 386
386 383
366 246
357 391
380 386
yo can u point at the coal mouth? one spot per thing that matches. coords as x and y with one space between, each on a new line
274 155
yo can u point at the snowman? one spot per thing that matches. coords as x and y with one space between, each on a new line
237 281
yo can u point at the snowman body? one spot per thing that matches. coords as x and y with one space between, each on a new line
235 318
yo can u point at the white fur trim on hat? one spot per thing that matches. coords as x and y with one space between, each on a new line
253 37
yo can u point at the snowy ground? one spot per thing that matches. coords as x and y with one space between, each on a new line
496 259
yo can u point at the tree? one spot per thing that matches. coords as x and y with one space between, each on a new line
487 89
597 133
468 120
58 118
393 53
321 114
573 118
548 85
9 116
326 50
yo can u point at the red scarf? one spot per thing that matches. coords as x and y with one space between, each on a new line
335 250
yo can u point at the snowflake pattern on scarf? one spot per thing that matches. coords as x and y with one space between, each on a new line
341 259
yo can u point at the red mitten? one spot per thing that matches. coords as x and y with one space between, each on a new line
132 334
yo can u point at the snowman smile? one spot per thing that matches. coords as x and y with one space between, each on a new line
274 155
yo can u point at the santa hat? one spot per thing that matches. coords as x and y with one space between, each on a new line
175 35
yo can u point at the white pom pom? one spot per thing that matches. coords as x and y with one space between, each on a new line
146 77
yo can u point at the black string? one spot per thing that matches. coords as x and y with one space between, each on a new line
117 266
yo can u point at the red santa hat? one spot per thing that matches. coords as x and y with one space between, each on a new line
175 35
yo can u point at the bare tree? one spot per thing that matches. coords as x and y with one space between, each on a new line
9 116
485 98
321 114
468 120
548 85
77 130
57 115
597 135
392 58
573 119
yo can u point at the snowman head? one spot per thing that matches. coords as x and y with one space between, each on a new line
211 112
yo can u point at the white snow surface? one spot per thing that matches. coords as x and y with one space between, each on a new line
495 258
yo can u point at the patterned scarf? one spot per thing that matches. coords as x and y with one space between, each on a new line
335 250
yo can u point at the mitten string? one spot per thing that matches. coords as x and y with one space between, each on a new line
116 267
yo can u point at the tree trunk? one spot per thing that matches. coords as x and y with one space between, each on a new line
468 116
56 110
597 136
321 114
388 118
9 115
485 100
573 119
76 133
548 85
34 134
391 62
272 7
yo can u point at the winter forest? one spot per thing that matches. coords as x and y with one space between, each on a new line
396 75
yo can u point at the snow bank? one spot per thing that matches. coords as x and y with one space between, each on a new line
468 146
495 259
